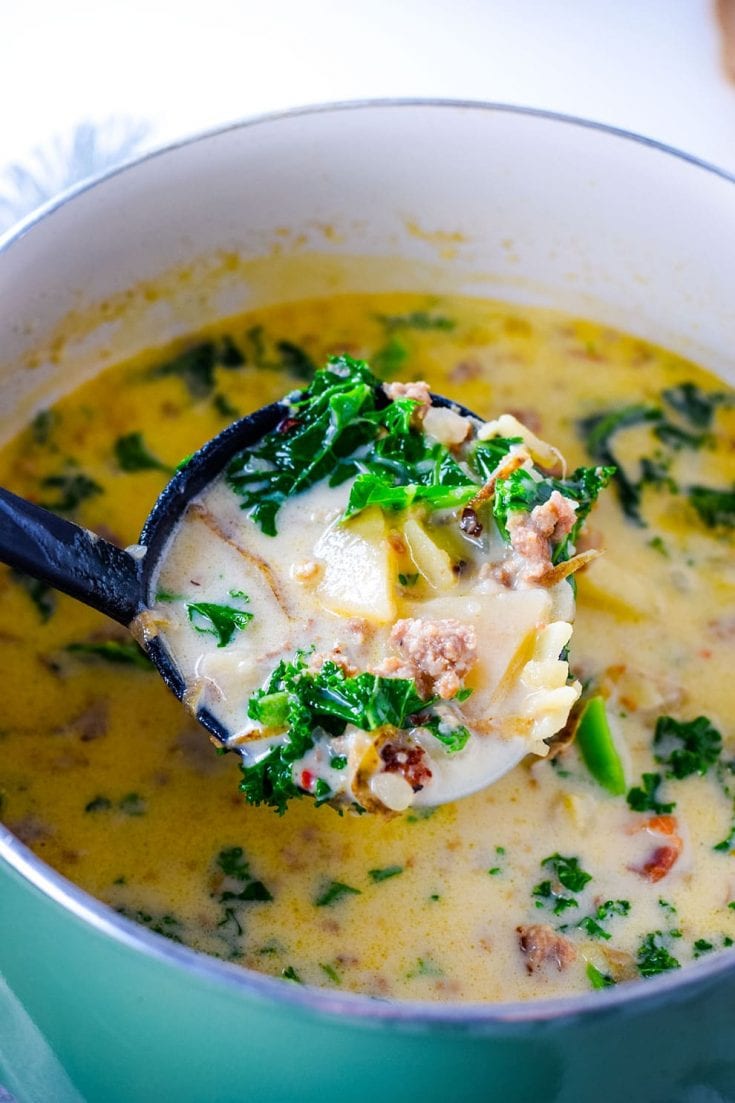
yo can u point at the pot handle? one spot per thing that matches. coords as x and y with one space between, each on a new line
70 558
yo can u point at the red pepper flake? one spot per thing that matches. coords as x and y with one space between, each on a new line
288 425
307 780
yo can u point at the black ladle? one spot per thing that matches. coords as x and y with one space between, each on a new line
76 561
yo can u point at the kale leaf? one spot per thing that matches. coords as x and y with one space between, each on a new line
132 454
334 891
118 652
716 508
417 319
644 798
73 488
329 421
598 431
567 871
653 956
196 366
222 621
569 875
695 405
686 747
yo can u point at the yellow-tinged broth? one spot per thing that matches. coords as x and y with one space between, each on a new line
105 776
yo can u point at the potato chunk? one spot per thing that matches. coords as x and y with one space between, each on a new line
358 568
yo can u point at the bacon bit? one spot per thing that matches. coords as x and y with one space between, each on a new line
307 780
540 943
288 425
408 762
663 858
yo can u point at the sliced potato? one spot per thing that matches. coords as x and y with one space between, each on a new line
359 568
431 561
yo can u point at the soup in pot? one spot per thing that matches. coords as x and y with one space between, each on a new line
606 860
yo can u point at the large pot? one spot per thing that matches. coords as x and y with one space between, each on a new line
488 200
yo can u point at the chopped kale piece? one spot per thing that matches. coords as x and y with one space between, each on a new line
695 405
294 359
234 864
598 431
224 407
253 891
597 978
289 973
592 924
454 738
98 804
644 798
716 508
487 454
334 891
727 844
567 871
221 621
132 454
383 874
167 925
686 747
119 652
72 487
132 804
195 366
417 319
702 946
653 956
43 425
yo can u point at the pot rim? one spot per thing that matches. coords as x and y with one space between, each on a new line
208 969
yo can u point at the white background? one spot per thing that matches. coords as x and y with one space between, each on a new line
652 66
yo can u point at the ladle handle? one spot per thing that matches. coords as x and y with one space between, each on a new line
70 558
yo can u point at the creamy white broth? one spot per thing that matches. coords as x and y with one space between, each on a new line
104 776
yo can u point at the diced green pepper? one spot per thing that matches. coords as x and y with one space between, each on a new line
597 747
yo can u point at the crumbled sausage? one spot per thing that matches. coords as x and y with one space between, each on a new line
408 761
531 535
435 653
540 944
336 656
419 391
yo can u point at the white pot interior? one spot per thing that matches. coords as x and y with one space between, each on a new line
487 201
